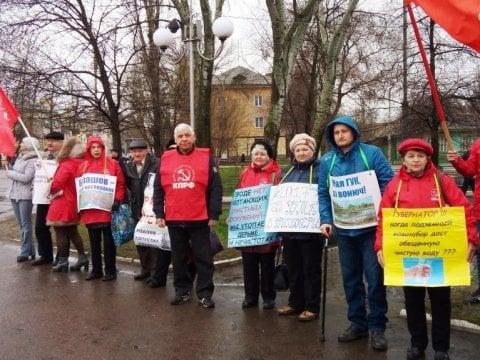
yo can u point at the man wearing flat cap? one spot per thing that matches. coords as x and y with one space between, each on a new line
154 262
54 141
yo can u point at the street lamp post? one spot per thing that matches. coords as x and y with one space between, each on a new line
163 38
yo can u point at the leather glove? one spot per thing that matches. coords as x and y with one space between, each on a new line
116 205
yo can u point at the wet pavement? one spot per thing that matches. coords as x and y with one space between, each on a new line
45 315
50 316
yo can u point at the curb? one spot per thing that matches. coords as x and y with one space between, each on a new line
219 264
454 323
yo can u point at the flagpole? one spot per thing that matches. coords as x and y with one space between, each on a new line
433 86
12 113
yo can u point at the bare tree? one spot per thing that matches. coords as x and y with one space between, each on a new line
288 35
94 56
226 126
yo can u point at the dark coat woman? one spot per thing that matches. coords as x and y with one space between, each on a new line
303 251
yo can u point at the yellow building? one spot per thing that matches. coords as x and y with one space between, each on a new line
239 106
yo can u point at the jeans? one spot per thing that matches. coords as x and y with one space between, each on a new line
23 213
358 259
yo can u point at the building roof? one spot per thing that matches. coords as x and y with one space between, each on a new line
241 76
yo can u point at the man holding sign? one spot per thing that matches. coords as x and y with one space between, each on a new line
43 175
421 242
351 178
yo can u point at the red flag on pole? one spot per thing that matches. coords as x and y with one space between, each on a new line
459 18
8 117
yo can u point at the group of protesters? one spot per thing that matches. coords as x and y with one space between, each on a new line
417 185
187 198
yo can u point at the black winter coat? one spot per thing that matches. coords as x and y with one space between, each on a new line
136 184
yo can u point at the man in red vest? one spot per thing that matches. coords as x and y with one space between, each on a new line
188 199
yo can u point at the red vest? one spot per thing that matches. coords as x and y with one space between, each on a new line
184 180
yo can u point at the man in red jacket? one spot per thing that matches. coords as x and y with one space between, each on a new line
188 199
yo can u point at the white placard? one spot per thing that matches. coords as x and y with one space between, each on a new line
42 182
355 200
147 233
95 191
293 207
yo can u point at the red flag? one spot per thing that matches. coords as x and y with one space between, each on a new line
459 18
8 117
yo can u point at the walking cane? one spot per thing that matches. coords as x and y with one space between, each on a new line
324 287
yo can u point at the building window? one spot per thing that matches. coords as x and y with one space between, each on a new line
442 144
258 100
259 122
221 100
466 143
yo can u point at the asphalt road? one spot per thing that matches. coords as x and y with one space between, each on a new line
45 315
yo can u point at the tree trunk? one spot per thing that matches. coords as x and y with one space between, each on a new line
287 42
333 48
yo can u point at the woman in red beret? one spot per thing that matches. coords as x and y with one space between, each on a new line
415 186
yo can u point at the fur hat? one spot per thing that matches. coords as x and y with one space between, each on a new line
264 145
138 144
55 135
30 142
417 144
72 147
303 139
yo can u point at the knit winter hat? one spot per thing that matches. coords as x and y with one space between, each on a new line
303 139
30 142
264 145
417 144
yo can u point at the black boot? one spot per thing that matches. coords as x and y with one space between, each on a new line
62 265
81 262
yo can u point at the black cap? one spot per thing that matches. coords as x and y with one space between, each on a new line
55 135
138 144
265 144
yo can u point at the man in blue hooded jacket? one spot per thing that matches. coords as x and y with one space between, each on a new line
354 224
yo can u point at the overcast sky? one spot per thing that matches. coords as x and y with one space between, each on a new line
251 21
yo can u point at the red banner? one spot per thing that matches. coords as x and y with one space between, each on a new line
8 117
459 18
